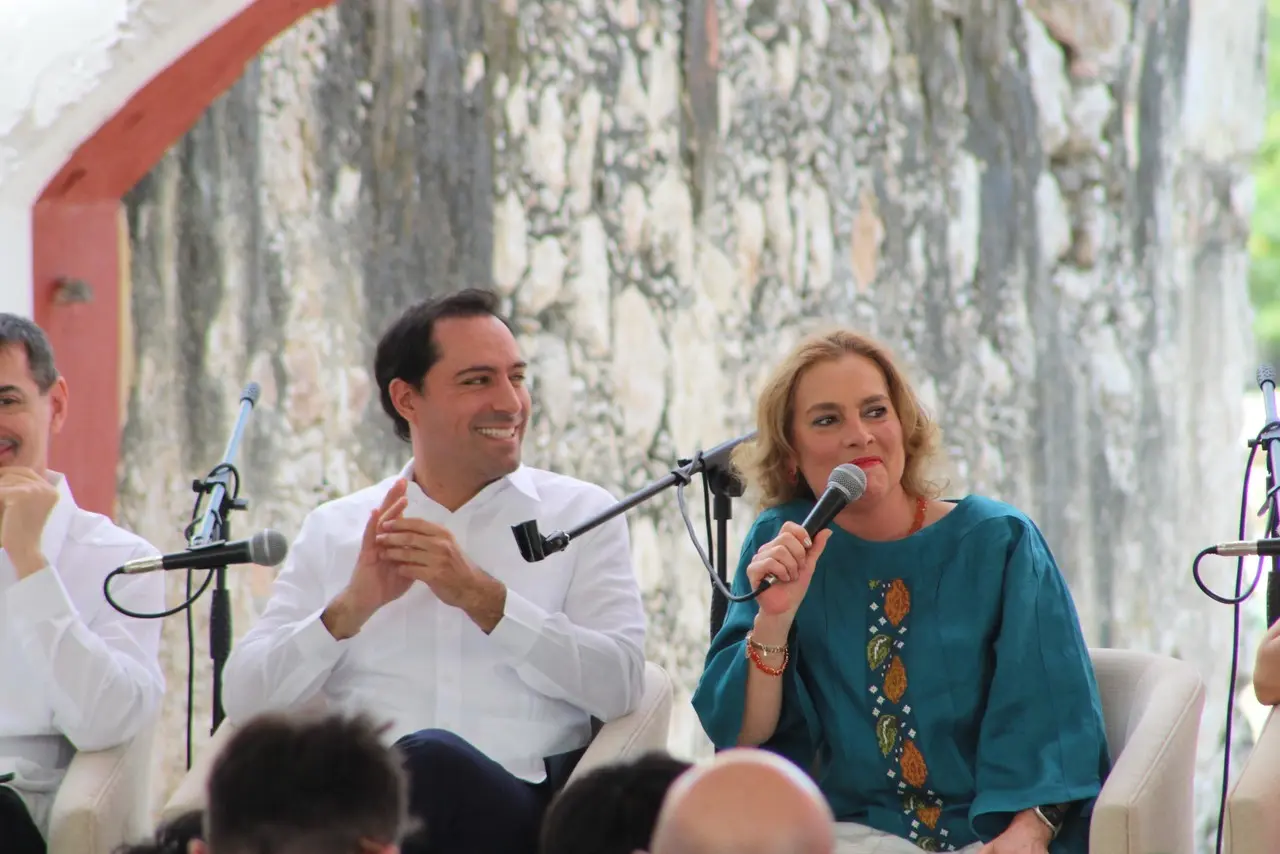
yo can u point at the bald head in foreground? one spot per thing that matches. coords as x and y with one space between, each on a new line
746 801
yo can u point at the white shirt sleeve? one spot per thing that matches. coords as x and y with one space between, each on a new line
592 653
284 659
103 676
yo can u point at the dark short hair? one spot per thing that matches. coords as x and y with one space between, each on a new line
408 348
171 837
611 809
316 784
16 330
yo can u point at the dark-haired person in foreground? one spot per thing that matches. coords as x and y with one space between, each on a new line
611 809
410 600
305 785
75 674
172 837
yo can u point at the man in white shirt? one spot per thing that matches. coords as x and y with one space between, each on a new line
75 674
410 600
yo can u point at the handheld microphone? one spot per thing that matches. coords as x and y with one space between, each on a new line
845 486
267 548
1244 548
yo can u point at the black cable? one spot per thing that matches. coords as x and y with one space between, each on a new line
706 511
1235 602
697 544
187 532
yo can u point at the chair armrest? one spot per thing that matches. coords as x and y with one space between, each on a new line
643 730
1146 803
104 799
190 794
1252 824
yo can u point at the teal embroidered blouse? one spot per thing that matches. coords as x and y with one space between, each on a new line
937 684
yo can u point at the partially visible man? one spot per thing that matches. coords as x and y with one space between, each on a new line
1266 668
75 674
302 785
174 836
409 600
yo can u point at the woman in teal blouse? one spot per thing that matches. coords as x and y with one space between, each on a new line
922 658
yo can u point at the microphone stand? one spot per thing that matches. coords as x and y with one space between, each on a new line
713 465
1270 439
725 485
222 485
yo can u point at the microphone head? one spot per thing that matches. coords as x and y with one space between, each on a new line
1266 374
850 480
251 393
268 548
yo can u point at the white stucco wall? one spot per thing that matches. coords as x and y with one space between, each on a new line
66 66
15 258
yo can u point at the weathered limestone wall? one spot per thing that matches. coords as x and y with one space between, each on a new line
1042 206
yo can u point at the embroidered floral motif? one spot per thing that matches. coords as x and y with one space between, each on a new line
895 681
897 602
889 617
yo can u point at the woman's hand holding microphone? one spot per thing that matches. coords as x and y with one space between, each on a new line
789 559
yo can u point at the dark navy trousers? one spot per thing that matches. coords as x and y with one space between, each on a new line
466 803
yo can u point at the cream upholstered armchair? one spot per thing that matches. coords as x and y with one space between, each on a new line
1151 705
643 730
105 799
1252 823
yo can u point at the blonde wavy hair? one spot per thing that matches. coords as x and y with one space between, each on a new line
766 462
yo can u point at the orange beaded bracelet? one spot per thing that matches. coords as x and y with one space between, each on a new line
754 655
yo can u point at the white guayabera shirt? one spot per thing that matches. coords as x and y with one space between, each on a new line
569 646
75 673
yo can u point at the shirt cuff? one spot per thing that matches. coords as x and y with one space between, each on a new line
39 597
312 639
520 626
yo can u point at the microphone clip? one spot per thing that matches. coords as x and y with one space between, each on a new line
533 545
1270 433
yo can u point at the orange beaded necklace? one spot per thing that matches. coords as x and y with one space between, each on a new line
922 504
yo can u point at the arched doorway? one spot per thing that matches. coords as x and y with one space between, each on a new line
116 130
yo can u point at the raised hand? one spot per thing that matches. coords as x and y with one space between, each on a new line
26 500
375 581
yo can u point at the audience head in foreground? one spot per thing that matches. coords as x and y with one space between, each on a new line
611 809
305 785
709 810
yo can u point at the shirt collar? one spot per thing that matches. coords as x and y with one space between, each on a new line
521 479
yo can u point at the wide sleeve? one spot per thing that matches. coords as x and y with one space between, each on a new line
1042 739
721 693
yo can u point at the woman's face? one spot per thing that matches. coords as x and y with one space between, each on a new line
843 414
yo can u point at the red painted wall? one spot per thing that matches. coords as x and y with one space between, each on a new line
77 226
82 240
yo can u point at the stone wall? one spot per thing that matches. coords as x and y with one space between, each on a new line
1042 207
